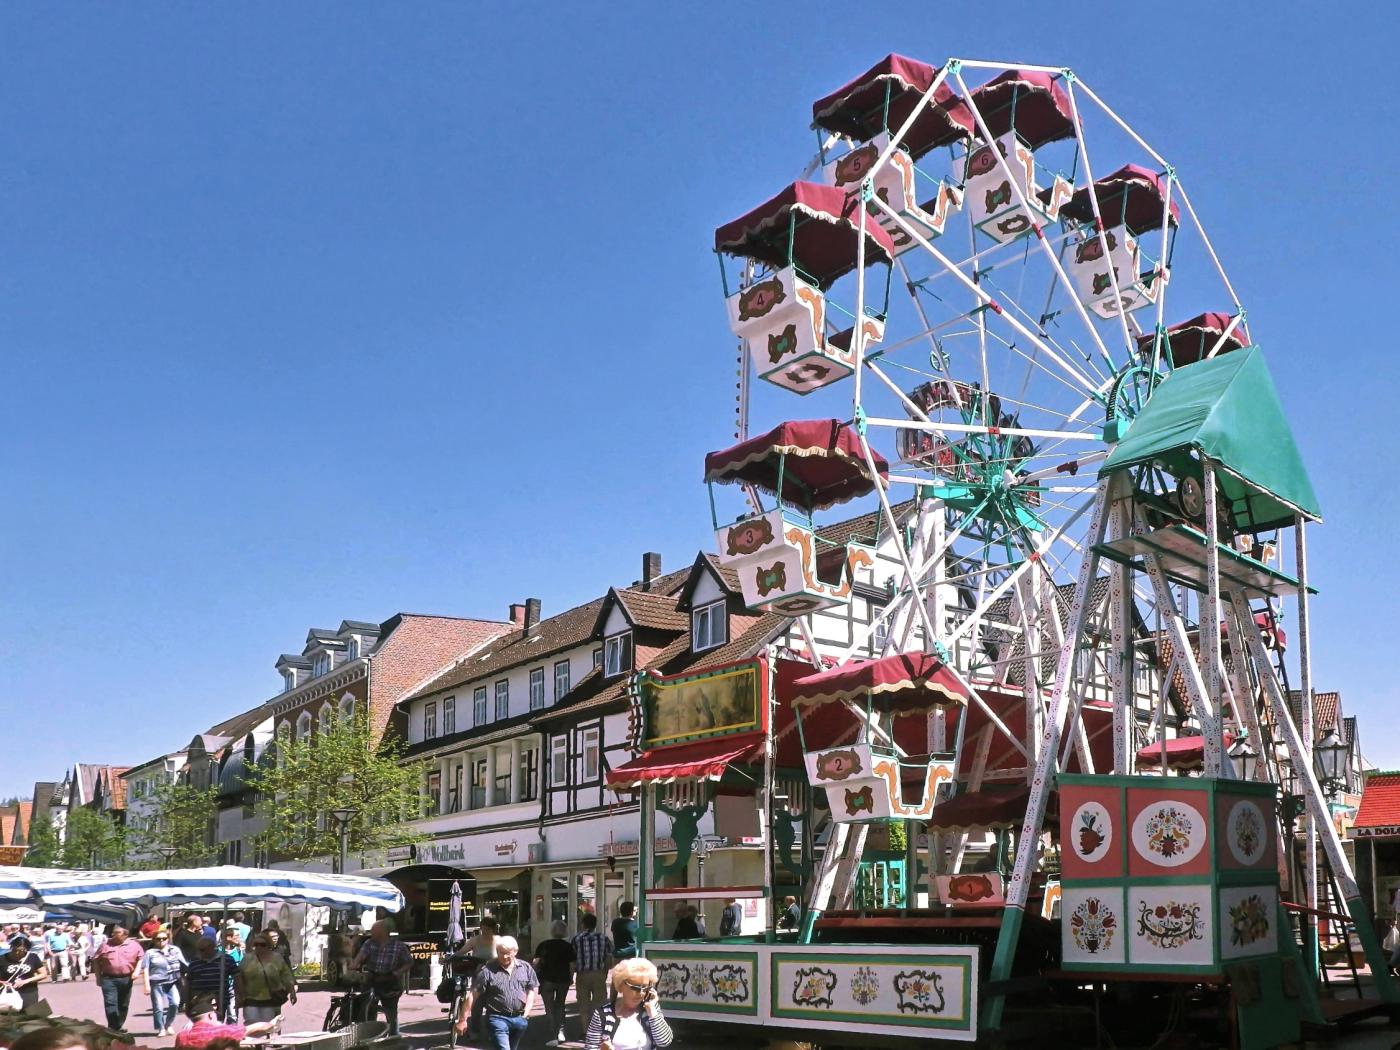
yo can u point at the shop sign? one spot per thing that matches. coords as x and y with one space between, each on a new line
443 852
399 854
506 849
422 950
715 702
660 844
12 856
1383 831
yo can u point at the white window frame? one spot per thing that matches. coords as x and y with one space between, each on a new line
536 688
449 716
352 647
708 627
321 665
430 720
591 748
479 706
614 650
304 726
561 692
559 761
500 709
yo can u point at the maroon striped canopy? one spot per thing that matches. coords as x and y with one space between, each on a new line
1132 196
820 459
1191 340
1028 101
906 681
824 241
990 807
858 108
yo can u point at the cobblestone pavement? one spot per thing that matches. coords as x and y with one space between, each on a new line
424 1020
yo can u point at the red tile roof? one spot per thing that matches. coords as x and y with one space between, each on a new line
1380 801
652 610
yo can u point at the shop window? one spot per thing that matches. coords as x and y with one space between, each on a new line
587 889
559 898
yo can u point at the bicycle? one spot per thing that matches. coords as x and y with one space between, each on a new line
352 1005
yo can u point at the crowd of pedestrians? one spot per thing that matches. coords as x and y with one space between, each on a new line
615 989
186 965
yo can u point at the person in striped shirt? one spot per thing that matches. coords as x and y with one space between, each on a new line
631 1018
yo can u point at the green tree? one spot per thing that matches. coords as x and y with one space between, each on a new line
45 848
179 818
91 840
338 768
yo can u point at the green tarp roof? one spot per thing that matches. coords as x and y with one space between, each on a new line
1227 410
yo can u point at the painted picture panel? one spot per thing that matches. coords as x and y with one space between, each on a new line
1168 833
1248 921
915 990
1091 836
1093 930
712 982
1246 830
710 703
1171 925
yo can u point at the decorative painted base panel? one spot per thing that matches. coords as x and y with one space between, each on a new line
876 988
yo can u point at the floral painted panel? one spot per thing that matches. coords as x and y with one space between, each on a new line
1171 925
1093 927
1248 921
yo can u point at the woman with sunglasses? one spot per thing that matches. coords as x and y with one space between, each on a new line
160 970
631 1018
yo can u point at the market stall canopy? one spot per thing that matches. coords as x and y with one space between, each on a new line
699 760
994 807
1227 410
820 460
59 888
1184 753
906 682
1030 102
1132 196
1190 341
814 227
858 109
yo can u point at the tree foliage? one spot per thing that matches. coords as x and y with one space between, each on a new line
337 768
180 817
45 848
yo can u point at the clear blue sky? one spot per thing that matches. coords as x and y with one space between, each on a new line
314 311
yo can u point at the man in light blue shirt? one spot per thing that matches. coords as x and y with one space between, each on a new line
59 942
244 930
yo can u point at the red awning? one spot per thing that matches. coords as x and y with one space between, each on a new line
1183 753
1378 816
858 108
1132 196
824 464
823 242
1031 102
699 760
906 681
990 807
1191 340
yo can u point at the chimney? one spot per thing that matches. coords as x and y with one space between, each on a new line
517 614
532 615
651 569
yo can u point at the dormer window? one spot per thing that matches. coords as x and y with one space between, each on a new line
617 654
708 627
352 647
289 680
321 665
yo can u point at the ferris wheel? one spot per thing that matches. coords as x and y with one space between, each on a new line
1011 269
1008 324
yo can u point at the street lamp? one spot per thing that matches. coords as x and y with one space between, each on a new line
167 852
343 817
1330 759
1244 759
703 846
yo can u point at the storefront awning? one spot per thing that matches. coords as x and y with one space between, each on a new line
701 760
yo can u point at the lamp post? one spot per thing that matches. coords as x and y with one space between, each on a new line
1244 759
1330 759
343 817
168 852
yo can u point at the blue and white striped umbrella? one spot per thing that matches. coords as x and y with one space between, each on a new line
56 888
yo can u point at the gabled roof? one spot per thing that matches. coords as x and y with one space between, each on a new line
551 635
1327 707
301 663
358 627
24 816
727 578
643 609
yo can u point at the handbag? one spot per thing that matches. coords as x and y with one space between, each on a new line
10 999
446 990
